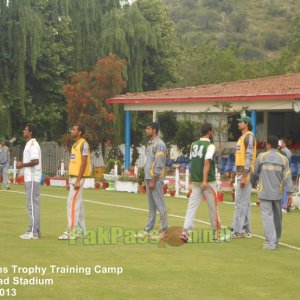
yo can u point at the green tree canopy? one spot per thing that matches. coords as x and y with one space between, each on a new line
43 41
86 94
21 28
168 125
161 60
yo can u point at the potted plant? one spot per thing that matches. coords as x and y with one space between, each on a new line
189 193
100 182
141 177
11 176
47 180
142 188
172 190
165 188
220 196
111 179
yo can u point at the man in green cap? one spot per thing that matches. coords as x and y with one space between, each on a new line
4 162
244 162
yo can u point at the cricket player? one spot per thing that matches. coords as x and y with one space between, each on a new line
285 151
154 180
272 169
244 162
32 164
79 168
4 162
203 182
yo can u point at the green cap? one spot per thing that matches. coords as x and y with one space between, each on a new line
2 138
245 119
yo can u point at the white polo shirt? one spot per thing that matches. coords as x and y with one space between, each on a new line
32 151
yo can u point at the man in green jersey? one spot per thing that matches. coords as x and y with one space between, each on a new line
203 181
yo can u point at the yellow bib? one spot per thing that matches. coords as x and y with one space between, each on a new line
240 154
76 159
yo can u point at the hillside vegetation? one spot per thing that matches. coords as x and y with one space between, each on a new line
239 38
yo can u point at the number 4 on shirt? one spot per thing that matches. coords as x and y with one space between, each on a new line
197 151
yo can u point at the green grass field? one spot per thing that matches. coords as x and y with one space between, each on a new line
239 269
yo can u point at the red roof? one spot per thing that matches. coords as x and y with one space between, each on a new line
269 88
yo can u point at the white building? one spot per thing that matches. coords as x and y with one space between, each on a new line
272 103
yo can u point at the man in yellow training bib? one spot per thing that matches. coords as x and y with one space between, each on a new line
79 168
244 161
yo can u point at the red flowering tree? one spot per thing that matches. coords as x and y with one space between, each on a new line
86 95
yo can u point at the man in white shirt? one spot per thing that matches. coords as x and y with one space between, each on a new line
32 164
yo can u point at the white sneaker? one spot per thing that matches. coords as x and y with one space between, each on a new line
247 234
236 235
225 238
66 236
142 234
28 236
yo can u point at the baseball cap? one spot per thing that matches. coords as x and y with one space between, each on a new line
245 119
2 138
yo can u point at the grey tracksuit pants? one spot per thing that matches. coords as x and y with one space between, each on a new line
4 173
33 191
156 201
272 219
242 212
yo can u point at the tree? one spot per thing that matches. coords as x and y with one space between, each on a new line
207 63
289 60
161 60
126 33
35 59
43 41
209 20
86 27
45 84
212 3
273 41
168 126
222 126
186 133
86 94
21 27
139 121
239 21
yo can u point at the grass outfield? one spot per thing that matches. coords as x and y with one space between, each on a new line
234 270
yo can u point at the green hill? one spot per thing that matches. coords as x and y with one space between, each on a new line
224 40
260 27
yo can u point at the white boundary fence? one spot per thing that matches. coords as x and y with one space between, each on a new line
52 156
